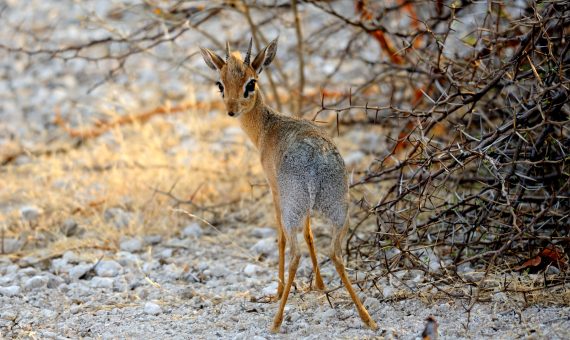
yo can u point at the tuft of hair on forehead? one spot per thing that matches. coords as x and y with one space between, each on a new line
235 65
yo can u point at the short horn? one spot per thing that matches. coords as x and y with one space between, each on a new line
248 55
227 51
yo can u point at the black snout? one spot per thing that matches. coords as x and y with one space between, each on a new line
231 114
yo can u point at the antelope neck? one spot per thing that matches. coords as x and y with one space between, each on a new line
252 121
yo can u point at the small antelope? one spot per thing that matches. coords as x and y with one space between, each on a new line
302 165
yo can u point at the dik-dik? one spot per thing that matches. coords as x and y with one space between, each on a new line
301 163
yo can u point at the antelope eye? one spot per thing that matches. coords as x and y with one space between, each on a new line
220 86
250 87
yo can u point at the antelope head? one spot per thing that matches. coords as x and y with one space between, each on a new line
237 80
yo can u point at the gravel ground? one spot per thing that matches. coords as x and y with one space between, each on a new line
198 286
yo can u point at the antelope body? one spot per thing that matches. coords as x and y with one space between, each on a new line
302 165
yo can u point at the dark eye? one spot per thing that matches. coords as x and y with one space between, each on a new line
220 86
250 87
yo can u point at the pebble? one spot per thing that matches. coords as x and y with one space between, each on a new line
372 304
126 258
58 265
329 314
69 227
10 291
148 267
132 245
27 271
30 212
270 290
388 292
10 245
101 282
35 282
78 271
71 257
193 230
265 246
219 271
251 269
165 253
152 239
120 218
108 268
152 308
263 232
8 315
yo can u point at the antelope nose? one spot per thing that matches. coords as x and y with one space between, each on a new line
231 114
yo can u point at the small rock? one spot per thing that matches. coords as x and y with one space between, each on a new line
10 291
263 232
152 239
148 267
71 257
28 271
35 282
10 245
132 245
126 258
329 314
152 308
193 230
54 281
69 227
8 315
552 270
101 282
11 269
270 290
251 269
388 291
120 218
500 297
78 271
265 246
108 268
48 313
165 253
219 271
30 213
6 280
74 309
173 272
57 265
372 304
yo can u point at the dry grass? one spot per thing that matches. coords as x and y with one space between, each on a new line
188 156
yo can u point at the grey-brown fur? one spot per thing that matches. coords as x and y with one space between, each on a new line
310 172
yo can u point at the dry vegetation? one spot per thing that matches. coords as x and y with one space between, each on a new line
459 110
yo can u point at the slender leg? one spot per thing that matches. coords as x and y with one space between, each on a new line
281 243
311 245
336 257
294 257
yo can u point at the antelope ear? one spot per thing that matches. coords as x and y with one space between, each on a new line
265 57
214 61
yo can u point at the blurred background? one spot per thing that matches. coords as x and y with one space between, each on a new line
451 116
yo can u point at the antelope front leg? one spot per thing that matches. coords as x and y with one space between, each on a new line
282 240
